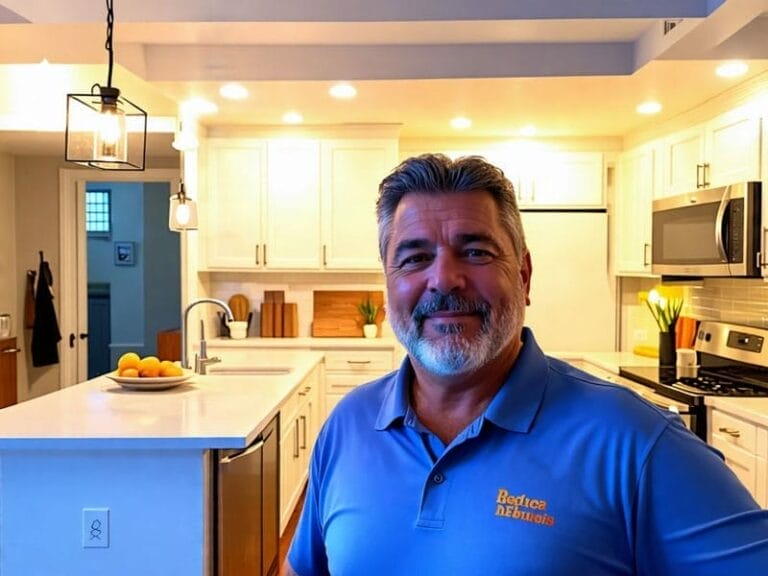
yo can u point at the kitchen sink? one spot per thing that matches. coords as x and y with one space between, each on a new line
250 370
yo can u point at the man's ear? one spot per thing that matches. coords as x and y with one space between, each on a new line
526 269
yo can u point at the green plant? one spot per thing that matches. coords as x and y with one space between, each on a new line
664 310
368 310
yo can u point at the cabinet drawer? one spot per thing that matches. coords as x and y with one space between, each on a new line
733 430
358 361
343 383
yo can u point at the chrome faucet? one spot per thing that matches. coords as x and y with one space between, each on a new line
185 319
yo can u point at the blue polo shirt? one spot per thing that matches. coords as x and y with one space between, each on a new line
562 474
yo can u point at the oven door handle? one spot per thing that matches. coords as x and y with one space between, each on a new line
719 218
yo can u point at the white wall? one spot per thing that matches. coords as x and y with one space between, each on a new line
8 282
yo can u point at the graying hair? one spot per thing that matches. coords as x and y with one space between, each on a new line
437 174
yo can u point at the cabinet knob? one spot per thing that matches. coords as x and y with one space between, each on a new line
734 432
10 351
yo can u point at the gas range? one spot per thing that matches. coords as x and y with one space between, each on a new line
733 361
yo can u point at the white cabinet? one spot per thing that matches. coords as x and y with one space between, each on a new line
293 204
299 423
347 369
291 210
745 448
633 204
262 205
231 204
721 151
351 173
562 180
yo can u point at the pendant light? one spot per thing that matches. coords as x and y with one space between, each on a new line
182 213
104 129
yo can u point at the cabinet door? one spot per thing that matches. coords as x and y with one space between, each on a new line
633 204
566 179
683 161
292 205
290 470
733 149
233 204
351 173
8 386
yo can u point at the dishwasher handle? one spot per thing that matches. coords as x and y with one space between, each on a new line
258 444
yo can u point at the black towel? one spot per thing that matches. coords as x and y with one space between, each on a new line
45 332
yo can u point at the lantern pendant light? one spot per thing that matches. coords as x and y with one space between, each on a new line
104 129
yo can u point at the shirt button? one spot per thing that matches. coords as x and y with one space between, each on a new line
438 478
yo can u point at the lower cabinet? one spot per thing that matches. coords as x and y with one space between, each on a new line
300 421
745 448
347 369
8 353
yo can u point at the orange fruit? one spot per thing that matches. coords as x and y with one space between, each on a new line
128 360
129 373
168 368
149 367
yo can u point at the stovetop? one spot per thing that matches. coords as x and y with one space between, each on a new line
733 362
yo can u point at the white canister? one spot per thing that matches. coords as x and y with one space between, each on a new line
238 329
687 363
5 325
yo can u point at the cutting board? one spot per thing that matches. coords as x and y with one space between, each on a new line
336 314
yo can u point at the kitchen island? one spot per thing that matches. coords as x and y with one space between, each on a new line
142 455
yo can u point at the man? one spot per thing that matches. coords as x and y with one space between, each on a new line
481 455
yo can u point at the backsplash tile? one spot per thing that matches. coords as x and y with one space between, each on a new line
740 301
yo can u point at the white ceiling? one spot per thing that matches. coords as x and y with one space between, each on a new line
573 69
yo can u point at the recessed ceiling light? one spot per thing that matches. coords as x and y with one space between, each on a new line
343 91
461 123
293 117
196 106
233 91
732 69
649 107
528 130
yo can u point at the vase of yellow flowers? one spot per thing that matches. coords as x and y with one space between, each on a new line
666 311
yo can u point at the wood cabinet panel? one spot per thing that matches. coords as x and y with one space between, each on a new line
8 372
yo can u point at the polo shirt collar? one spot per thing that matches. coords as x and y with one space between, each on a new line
515 405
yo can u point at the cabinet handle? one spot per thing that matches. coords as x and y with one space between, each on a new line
730 431
296 439
699 179
10 351
325 260
645 254
257 253
265 254
304 432
705 172
358 361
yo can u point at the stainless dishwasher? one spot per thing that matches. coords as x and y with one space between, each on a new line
247 513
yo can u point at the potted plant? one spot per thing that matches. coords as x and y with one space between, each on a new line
369 311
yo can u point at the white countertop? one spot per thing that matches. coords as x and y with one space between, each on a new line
212 411
608 360
754 410
305 342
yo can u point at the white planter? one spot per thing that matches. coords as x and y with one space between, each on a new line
370 330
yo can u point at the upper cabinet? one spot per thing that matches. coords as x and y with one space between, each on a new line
293 203
351 173
546 179
562 180
231 204
721 151
633 202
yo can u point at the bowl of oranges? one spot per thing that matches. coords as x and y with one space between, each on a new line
148 373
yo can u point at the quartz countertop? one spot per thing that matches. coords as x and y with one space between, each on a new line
754 410
305 342
610 361
212 411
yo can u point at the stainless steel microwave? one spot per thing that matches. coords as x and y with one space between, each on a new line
709 232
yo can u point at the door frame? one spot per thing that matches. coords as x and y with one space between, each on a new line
73 259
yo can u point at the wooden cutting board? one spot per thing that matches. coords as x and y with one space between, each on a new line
336 314
240 306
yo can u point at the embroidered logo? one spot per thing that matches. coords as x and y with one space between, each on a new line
522 507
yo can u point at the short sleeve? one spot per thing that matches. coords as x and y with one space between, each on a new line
693 515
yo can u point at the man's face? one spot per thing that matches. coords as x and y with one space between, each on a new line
456 289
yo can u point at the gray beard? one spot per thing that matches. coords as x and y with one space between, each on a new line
454 354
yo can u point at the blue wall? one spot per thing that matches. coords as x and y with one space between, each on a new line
145 297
